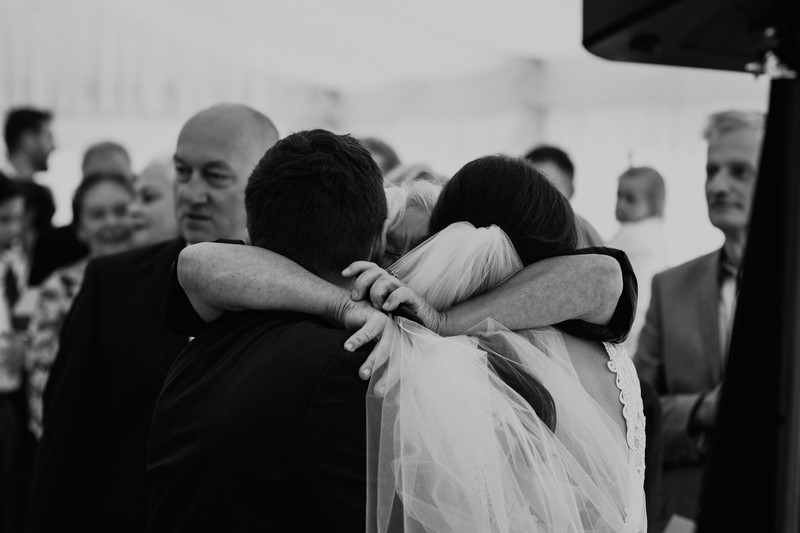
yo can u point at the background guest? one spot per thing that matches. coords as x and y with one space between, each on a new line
683 345
100 207
115 349
13 445
59 247
153 208
382 153
410 206
640 211
106 157
407 173
557 166
29 141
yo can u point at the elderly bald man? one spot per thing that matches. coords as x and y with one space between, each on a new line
115 349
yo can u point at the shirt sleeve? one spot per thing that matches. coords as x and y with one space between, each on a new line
621 321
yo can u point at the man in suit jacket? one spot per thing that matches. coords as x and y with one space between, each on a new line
684 342
115 349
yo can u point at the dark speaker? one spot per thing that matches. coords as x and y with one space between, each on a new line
714 34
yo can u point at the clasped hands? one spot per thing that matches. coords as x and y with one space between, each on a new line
375 293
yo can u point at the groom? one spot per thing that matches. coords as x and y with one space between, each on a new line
261 422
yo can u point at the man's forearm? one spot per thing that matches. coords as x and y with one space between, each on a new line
584 287
224 277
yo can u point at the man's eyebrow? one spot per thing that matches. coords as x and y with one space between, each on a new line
217 164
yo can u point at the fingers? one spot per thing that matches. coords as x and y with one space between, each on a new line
370 331
356 268
401 295
382 287
365 280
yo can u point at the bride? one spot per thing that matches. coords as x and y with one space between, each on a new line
534 430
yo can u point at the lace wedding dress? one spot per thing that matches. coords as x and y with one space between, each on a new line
452 448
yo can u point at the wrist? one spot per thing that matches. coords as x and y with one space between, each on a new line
337 305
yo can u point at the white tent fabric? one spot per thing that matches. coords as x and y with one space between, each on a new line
443 81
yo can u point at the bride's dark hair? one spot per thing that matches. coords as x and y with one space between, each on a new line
512 194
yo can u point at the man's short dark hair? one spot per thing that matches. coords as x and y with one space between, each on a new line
557 156
22 120
316 198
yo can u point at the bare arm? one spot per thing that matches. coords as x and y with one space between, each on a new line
223 277
583 287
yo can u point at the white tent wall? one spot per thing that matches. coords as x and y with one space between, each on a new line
446 123
429 83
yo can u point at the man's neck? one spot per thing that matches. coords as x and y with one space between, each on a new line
734 247
22 165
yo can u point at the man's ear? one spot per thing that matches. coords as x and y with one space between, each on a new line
379 246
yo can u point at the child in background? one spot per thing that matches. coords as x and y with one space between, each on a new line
640 211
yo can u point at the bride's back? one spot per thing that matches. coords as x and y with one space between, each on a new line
590 361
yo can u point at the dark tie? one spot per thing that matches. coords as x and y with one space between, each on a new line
10 286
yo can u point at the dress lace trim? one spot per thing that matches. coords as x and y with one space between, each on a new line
630 396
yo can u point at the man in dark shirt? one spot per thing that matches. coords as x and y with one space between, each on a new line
261 422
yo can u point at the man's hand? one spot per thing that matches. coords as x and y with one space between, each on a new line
368 324
706 415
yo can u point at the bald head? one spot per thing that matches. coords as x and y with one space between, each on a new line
241 131
217 150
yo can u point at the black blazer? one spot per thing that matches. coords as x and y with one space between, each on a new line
114 355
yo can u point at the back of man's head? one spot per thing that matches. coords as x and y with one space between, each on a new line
20 121
556 166
106 157
317 198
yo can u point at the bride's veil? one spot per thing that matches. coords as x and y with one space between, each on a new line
453 448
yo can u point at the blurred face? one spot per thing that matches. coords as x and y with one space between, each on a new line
731 173
42 145
412 230
104 223
153 208
213 161
12 214
632 200
557 177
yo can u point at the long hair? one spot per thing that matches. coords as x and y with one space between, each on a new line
513 195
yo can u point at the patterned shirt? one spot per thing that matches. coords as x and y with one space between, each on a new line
55 298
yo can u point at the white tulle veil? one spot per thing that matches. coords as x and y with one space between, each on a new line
453 448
